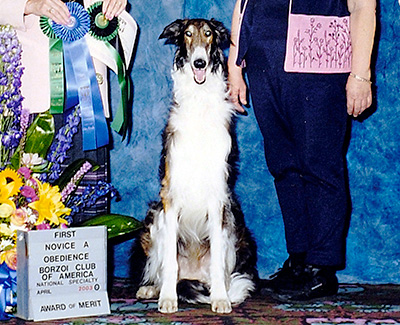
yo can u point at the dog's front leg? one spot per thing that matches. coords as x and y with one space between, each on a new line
168 299
220 302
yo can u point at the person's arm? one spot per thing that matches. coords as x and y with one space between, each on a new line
237 85
362 31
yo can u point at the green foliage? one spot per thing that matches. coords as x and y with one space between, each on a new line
117 225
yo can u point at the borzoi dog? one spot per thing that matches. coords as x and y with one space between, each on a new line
197 249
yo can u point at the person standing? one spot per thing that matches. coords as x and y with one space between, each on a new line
303 116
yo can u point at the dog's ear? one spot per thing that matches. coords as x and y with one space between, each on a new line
222 33
172 32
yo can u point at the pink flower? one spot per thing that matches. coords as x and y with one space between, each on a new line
18 218
29 193
63 226
43 226
25 171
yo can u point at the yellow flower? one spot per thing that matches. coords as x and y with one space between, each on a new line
10 257
10 183
5 210
49 205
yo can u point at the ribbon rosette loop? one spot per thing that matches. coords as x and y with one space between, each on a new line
46 27
78 26
100 27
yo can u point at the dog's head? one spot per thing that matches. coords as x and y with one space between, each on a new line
200 43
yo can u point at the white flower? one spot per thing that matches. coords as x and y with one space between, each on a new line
4 243
30 215
31 159
14 228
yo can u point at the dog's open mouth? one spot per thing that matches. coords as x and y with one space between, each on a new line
199 75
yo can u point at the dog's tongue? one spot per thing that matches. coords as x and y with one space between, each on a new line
199 75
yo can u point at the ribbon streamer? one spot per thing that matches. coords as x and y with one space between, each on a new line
105 30
56 67
81 84
8 289
105 53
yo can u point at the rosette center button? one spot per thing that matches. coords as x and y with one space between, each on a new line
72 22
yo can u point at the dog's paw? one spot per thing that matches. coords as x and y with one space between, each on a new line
221 306
168 305
147 292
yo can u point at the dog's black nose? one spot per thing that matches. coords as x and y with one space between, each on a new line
199 63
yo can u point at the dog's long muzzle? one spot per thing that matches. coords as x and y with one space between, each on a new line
199 70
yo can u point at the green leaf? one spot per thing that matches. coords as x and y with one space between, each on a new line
71 170
117 225
39 137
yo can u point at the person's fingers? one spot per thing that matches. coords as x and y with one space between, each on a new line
59 12
56 10
235 99
113 8
243 97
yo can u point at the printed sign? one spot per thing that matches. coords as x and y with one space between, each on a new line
62 273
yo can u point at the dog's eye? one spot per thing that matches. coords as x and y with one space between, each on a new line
188 34
207 33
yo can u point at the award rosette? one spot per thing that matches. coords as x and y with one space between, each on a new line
105 30
100 27
81 84
8 290
72 75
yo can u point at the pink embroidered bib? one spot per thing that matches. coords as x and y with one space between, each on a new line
318 44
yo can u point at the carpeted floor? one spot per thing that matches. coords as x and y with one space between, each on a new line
355 304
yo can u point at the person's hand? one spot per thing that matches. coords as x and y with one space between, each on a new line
113 8
359 96
56 10
237 88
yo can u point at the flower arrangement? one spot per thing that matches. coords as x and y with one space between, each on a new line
26 201
36 193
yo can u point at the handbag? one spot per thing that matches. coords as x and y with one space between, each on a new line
317 43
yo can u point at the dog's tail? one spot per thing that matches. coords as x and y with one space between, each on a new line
194 291
241 287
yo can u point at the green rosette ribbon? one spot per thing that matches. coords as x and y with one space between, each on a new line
100 27
56 67
105 30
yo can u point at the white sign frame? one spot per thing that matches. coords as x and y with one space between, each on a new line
62 273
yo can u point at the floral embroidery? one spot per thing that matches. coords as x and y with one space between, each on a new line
318 44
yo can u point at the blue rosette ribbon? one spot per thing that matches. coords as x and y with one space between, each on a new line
8 290
81 84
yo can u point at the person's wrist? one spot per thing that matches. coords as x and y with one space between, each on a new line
360 78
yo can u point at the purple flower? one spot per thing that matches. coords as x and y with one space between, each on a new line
25 171
10 94
29 193
90 195
70 187
43 226
59 148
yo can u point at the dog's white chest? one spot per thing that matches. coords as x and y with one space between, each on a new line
201 144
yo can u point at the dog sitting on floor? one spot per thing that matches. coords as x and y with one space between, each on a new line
195 240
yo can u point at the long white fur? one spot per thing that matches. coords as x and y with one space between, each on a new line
198 193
